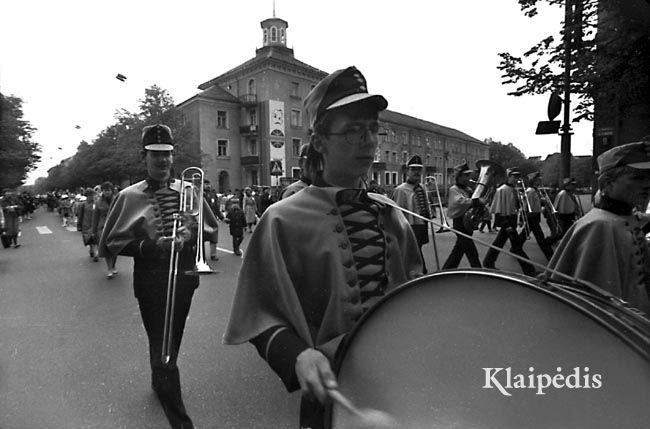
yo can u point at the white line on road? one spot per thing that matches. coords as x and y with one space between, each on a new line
43 230
71 228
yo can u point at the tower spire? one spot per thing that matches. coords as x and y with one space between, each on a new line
273 8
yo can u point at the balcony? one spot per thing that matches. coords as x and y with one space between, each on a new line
248 130
250 160
248 99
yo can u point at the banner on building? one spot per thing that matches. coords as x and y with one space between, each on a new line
277 150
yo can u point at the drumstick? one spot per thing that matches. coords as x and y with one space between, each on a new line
368 417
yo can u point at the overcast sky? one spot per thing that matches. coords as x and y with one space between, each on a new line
435 60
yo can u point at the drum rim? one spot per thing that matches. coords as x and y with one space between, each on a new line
623 332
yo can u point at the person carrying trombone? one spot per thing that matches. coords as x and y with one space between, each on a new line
140 224
534 214
505 206
460 200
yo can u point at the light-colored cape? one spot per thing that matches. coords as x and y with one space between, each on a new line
134 215
404 196
610 251
299 271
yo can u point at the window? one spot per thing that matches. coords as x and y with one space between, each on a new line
387 177
296 118
405 157
428 159
387 156
252 146
222 148
282 35
377 156
295 147
295 172
404 138
266 36
274 34
394 157
254 179
295 89
252 116
394 173
251 87
221 119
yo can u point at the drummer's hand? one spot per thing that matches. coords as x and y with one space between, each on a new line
165 243
315 373
183 235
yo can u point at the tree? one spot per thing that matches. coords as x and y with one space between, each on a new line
597 71
509 155
18 153
115 155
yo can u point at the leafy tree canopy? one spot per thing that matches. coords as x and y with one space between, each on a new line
115 154
610 64
18 153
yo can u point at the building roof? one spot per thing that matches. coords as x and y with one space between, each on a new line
265 55
214 92
409 121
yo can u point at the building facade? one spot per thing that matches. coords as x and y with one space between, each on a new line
249 124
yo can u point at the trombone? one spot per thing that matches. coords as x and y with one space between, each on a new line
445 224
524 204
191 207
551 210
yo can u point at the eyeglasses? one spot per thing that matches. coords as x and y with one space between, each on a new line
357 133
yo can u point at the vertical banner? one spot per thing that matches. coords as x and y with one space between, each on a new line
277 150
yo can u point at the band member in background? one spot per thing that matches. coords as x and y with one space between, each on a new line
505 206
140 224
534 216
412 196
318 260
460 200
567 206
211 234
607 246
304 180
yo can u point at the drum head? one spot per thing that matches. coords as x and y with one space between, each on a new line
475 349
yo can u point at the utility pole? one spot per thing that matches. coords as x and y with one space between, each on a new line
565 142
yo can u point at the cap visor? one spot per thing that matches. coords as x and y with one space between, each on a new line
415 165
159 147
640 165
379 100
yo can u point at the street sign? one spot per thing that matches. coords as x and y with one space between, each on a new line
547 127
276 168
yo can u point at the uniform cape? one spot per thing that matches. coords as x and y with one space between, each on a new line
404 196
298 269
132 211
599 248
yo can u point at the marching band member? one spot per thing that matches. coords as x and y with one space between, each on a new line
412 196
139 224
304 180
607 246
504 207
567 206
534 216
460 200
318 260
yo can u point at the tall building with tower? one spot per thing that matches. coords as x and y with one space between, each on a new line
250 123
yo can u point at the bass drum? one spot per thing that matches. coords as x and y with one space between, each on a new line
475 349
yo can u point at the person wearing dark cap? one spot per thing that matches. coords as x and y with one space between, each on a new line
460 200
607 246
412 196
139 224
534 214
304 180
319 259
505 206
567 206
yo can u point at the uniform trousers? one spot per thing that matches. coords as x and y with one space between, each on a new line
463 246
421 232
534 224
508 231
165 378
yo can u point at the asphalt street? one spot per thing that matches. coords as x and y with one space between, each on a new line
74 354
